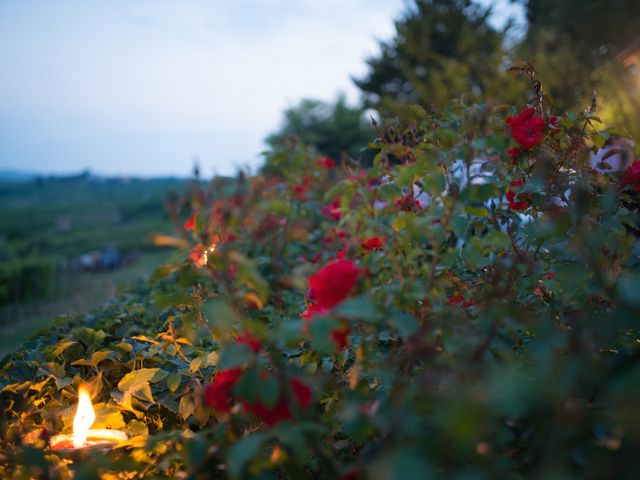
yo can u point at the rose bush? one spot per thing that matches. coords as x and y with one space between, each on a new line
491 332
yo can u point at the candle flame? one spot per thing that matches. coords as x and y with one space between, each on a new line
205 254
85 416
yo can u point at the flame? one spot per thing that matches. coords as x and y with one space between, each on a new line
205 255
85 416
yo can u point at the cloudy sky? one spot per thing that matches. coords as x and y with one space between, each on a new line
142 87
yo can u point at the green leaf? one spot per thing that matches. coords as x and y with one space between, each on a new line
321 328
135 377
136 383
62 346
269 391
173 381
404 323
136 428
478 193
220 316
186 407
473 251
244 450
95 359
108 415
598 139
360 308
36 387
212 359
195 364
434 183
477 211
235 355
629 287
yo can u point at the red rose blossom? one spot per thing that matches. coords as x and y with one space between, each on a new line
196 255
526 128
339 337
219 397
333 210
514 153
190 224
408 203
314 310
522 199
333 282
218 394
460 299
250 341
374 243
326 162
281 411
631 176
300 190
327 288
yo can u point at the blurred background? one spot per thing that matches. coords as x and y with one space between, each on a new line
105 108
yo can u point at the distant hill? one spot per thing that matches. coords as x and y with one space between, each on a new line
16 176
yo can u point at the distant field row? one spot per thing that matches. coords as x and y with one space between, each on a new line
47 224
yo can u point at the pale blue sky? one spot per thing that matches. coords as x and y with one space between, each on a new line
144 86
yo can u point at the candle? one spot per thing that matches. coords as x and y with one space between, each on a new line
83 436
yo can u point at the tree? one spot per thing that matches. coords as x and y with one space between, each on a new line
580 47
331 128
442 50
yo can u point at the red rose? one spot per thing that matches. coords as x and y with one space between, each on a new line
460 299
333 282
327 288
339 337
314 310
526 128
333 210
521 203
250 341
339 233
196 255
218 394
408 203
631 176
514 153
326 162
281 411
374 243
190 224
300 190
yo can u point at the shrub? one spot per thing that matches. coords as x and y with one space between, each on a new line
489 332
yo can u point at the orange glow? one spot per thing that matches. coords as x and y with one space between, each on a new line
85 416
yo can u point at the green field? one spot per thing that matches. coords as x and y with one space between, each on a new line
47 223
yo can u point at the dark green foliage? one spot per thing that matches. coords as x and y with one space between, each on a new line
582 46
442 50
48 221
26 278
487 338
333 129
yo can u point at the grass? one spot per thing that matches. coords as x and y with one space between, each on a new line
85 291
61 218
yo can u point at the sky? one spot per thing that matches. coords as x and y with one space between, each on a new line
146 87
